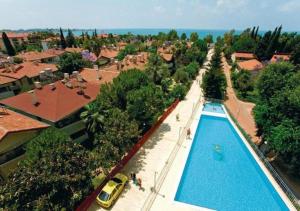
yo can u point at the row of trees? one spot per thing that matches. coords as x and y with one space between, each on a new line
214 81
263 46
277 112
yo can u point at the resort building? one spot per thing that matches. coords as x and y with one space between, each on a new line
280 58
15 77
108 54
47 56
253 66
98 76
15 131
50 42
15 39
58 104
241 56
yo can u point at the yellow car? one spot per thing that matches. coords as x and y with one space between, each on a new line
112 190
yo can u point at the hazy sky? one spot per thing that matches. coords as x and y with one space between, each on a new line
196 14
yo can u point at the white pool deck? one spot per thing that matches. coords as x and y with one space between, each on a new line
164 156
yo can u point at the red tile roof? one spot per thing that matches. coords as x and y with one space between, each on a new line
165 53
6 80
91 75
36 56
280 57
244 55
108 53
74 50
12 35
250 65
11 121
54 105
28 69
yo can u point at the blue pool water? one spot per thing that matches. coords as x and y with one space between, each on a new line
213 107
221 174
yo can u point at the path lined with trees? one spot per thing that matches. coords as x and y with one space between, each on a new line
242 111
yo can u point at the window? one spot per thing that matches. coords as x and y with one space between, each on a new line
12 154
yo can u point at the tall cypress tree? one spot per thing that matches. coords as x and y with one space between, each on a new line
70 39
256 32
9 47
62 39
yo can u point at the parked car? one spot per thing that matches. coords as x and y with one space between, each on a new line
112 190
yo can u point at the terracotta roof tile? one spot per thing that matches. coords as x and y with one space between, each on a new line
108 53
11 121
250 65
28 69
12 35
6 80
244 55
54 105
74 50
280 57
91 75
36 56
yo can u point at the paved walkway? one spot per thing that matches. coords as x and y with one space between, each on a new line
154 156
242 111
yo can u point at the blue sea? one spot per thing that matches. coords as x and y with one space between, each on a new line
201 32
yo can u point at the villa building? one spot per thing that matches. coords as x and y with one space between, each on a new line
47 56
241 56
97 76
108 54
280 58
15 39
14 77
253 66
15 131
58 104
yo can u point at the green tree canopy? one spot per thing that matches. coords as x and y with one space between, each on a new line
194 37
70 39
59 180
70 62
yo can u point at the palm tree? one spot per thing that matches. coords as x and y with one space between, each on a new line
92 119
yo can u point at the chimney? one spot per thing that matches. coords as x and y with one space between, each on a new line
48 71
33 98
96 67
52 86
42 75
75 74
66 76
38 85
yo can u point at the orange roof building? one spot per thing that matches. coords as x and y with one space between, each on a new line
241 56
26 69
98 76
15 131
165 53
15 39
49 55
280 58
250 65
108 53
54 102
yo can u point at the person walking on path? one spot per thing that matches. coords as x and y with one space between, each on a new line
188 133
177 117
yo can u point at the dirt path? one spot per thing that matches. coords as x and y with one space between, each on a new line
242 111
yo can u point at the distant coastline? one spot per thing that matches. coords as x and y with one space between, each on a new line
147 31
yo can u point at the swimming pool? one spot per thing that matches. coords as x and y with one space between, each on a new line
213 107
221 174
